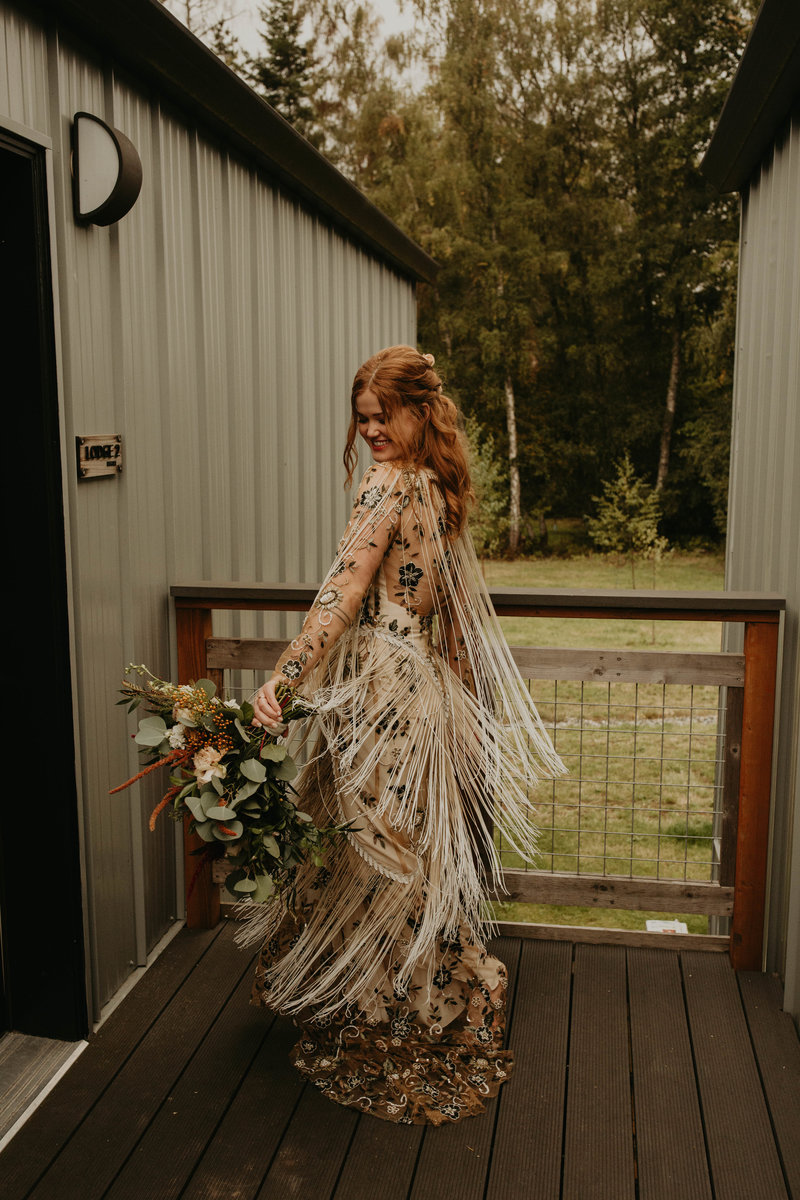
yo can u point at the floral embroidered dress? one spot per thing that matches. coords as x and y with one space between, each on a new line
426 740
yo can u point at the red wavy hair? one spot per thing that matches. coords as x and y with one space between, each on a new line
400 377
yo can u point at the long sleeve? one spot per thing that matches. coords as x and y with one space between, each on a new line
380 499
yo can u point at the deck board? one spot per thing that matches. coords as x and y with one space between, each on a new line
48 1129
112 1129
454 1160
527 1149
238 1156
670 1146
165 1156
185 1093
777 1049
598 1138
741 1146
380 1151
312 1151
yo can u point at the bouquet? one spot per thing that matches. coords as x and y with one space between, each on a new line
230 777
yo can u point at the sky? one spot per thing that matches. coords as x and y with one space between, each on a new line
245 22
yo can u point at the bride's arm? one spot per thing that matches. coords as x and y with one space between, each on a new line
370 532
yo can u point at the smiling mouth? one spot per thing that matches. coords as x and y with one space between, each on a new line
379 445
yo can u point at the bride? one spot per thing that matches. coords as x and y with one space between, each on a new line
427 742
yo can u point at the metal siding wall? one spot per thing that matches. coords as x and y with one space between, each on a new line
217 327
23 83
763 543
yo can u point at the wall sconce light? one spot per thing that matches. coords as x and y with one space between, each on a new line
106 171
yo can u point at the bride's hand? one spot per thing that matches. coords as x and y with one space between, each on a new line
266 707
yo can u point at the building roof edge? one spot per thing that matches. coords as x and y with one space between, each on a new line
151 43
764 91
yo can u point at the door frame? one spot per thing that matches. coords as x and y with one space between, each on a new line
49 1003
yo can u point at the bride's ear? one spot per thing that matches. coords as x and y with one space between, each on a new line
425 409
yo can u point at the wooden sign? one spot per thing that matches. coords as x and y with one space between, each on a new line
99 455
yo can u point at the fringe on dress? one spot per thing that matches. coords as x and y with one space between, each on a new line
426 738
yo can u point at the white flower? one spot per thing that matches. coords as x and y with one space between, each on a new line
177 738
207 765
183 715
231 703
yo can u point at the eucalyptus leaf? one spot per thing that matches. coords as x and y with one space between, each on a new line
248 712
251 807
273 752
205 830
208 687
265 889
304 817
149 737
236 828
251 768
271 845
245 885
232 879
240 729
287 769
245 791
220 812
195 807
153 722
218 785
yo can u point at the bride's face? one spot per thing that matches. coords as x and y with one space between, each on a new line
372 427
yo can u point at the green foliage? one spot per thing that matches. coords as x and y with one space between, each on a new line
210 20
284 73
628 513
226 46
231 778
489 519
547 156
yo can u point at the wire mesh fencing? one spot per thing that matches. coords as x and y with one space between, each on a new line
643 792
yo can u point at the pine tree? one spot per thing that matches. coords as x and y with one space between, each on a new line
227 47
628 512
284 74
489 520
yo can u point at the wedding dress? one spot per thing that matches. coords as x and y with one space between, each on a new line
426 739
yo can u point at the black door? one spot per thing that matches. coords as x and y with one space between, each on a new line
41 927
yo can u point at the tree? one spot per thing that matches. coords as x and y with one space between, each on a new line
489 520
666 84
284 73
210 20
546 156
227 47
628 513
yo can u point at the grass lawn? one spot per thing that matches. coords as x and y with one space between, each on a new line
639 798
677 572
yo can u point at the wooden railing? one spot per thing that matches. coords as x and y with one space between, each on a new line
739 890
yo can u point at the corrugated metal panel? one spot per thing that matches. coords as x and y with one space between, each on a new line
23 82
217 327
763 541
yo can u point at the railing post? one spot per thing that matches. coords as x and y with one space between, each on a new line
755 776
193 628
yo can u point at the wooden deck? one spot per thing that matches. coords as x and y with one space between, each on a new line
648 1074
